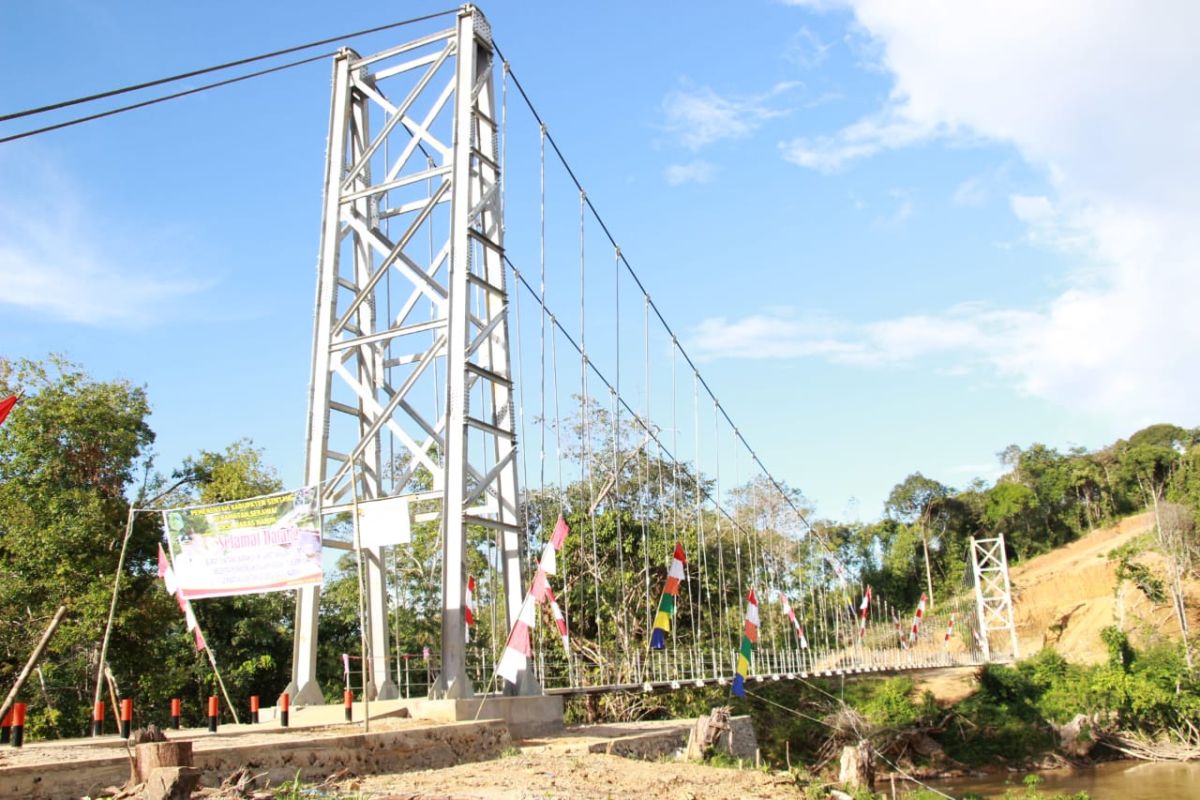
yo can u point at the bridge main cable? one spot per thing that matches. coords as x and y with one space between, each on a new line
832 552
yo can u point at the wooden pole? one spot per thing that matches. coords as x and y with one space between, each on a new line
364 643
112 606
212 659
34 657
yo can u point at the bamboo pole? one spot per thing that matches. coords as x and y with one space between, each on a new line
34 657
112 606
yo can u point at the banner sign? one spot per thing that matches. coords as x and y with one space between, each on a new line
262 544
384 522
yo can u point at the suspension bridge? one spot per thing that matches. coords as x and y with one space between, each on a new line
487 360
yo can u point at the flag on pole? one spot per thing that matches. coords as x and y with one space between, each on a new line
469 606
200 643
6 405
560 621
791 615
166 573
190 616
949 633
540 586
916 625
746 651
864 608
518 648
561 529
549 561
666 604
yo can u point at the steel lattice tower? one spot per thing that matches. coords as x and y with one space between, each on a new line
993 593
411 391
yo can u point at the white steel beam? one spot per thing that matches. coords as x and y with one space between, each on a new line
411 275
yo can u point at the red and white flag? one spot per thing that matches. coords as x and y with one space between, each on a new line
166 573
561 529
949 633
6 405
916 625
469 606
518 648
560 621
791 615
864 609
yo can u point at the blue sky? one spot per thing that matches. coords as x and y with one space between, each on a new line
897 237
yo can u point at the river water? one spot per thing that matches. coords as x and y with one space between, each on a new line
1117 780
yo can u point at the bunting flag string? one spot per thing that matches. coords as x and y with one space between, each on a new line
746 651
670 595
916 624
560 621
519 647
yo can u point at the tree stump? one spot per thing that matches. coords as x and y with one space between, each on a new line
706 732
858 767
154 755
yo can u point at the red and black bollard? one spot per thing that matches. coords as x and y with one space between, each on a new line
6 727
18 724
348 699
254 709
126 718
98 719
214 710
284 703
175 709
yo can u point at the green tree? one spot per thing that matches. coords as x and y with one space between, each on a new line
69 454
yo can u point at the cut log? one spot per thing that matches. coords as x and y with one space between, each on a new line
155 755
171 783
858 767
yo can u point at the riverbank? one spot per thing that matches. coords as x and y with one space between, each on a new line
1112 780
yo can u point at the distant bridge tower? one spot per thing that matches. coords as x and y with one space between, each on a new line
411 393
993 593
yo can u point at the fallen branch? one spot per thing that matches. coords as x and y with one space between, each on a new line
1146 749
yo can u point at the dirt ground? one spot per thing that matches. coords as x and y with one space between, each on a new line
546 774
1065 598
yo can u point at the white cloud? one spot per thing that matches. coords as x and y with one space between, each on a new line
1101 97
698 171
54 261
862 139
806 50
971 192
700 117
969 331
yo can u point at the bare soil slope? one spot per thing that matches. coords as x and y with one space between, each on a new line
1063 599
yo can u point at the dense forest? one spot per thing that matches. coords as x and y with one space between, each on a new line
76 453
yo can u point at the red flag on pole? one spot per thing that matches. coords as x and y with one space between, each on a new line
6 405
